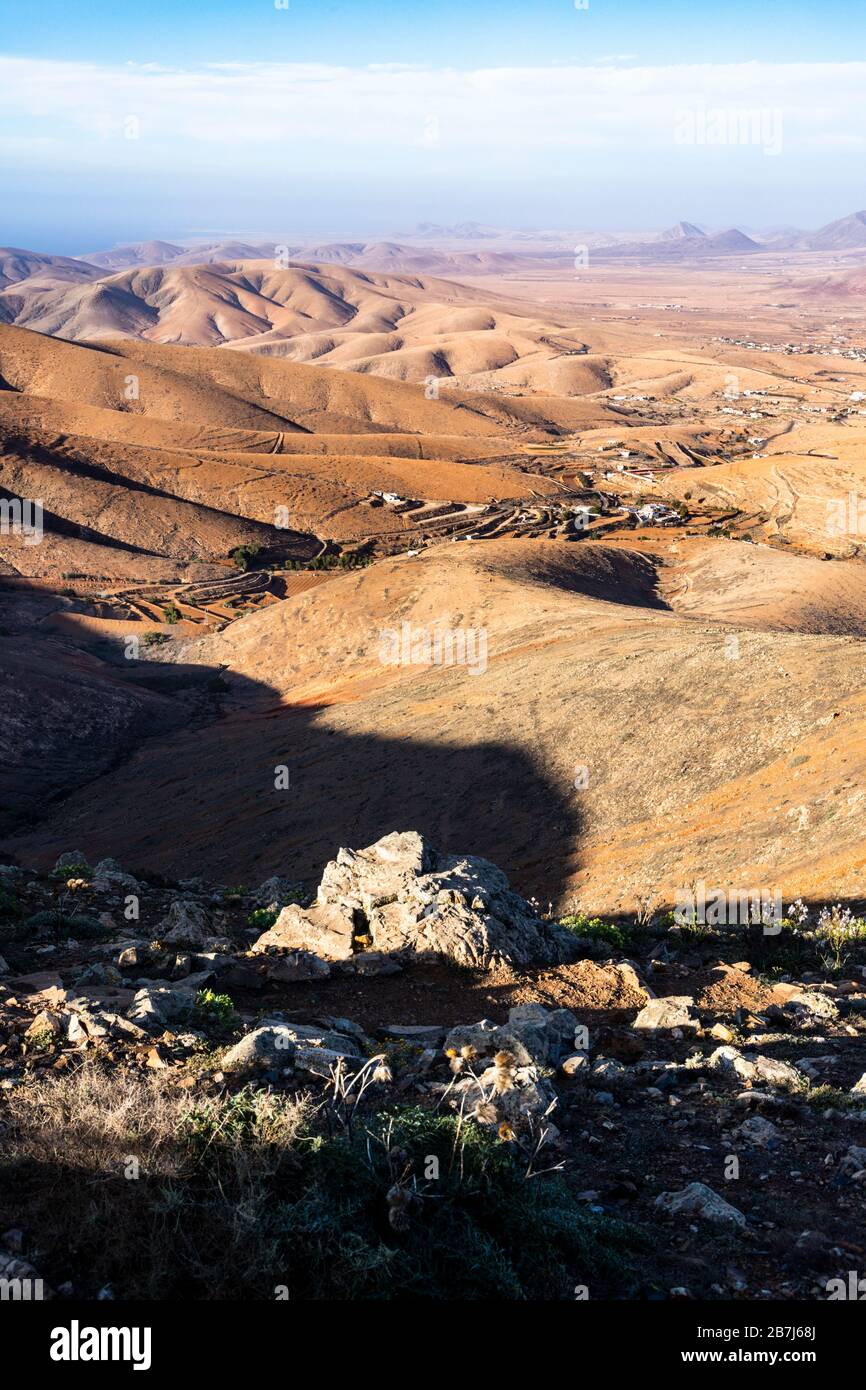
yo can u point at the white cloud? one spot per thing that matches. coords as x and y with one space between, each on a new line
292 117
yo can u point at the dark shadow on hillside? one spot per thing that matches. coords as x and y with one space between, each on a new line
156 766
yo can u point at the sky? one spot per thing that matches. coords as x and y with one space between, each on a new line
356 119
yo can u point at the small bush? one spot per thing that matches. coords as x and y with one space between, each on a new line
244 555
831 1098
9 905
79 924
595 929
76 870
215 1009
262 917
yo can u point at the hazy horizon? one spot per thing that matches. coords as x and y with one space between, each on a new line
369 117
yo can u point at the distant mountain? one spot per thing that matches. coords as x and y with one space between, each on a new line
466 231
137 253
406 326
17 265
731 240
230 251
681 231
685 241
846 234
150 253
419 260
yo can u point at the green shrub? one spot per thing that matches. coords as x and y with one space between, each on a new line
244 555
9 905
240 1196
215 1009
76 870
595 929
79 924
262 917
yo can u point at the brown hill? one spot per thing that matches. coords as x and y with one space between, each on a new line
642 698
405 326
18 267
152 460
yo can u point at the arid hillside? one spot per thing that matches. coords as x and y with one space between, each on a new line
401 326
593 710
648 583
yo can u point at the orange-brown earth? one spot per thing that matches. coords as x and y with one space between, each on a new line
712 690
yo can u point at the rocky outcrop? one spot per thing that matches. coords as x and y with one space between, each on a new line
401 895
757 1069
185 924
533 1035
698 1200
278 1045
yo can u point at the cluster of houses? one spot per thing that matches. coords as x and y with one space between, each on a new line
853 354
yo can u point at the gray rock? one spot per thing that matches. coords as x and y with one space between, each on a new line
421 1034
369 964
325 930
274 1046
72 859
533 1035
186 924
700 1202
809 1009
756 1069
405 897
853 1160
274 892
574 1064
153 1006
297 965
109 871
664 1015
758 1131
607 1072
13 1269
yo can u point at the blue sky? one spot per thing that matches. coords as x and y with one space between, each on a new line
338 118
459 32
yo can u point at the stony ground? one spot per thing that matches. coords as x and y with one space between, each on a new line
700 1086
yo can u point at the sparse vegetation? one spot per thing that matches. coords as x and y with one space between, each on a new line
412 1204
10 908
595 929
244 556
350 560
262 918
216 1010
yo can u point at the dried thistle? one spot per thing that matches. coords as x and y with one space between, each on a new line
399 1201
505 1065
